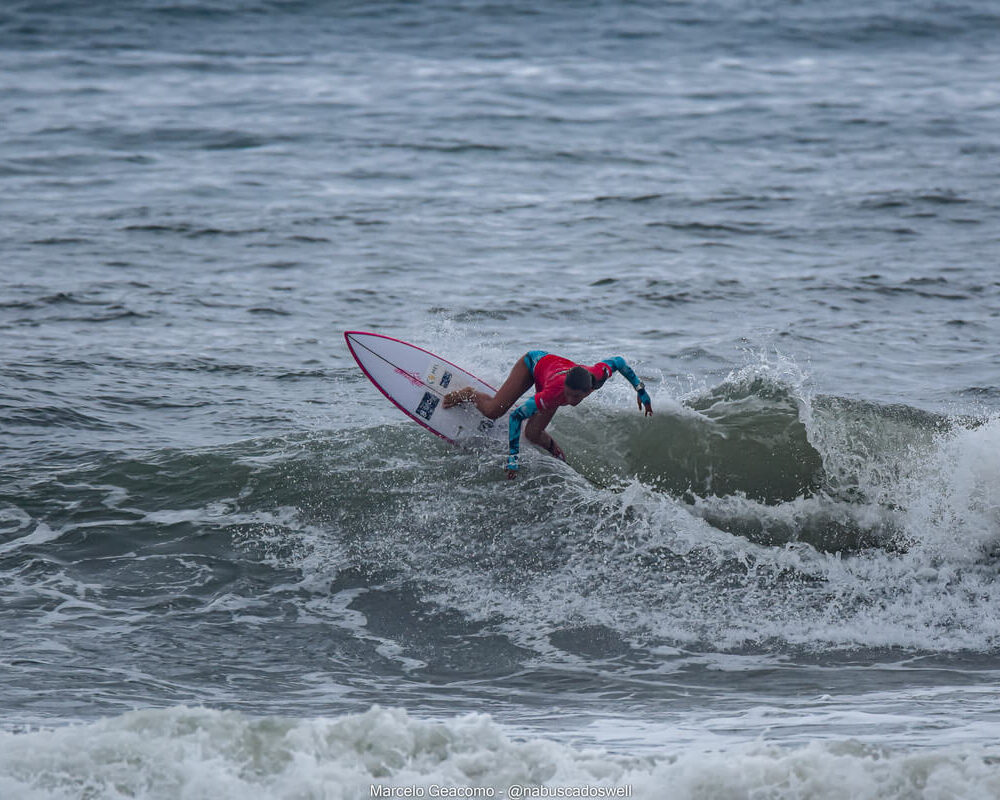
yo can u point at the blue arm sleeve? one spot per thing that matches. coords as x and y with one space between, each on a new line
618 363
516 418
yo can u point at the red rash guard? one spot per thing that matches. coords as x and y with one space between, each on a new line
550 379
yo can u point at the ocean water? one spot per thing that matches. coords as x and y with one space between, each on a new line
230 569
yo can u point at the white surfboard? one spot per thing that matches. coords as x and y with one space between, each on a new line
416 381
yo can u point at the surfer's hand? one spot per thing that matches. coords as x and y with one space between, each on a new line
642 399
511 474
556 450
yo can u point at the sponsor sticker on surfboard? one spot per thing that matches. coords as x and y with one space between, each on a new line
416 381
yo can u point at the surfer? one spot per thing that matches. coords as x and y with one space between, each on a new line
558 382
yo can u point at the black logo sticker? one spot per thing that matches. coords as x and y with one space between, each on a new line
445 380
427 405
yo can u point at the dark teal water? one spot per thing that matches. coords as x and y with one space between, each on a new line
783 215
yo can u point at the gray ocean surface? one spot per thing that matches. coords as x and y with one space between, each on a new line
229 568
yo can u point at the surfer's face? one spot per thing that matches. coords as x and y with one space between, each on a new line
574 396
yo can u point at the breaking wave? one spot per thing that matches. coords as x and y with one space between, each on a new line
200 753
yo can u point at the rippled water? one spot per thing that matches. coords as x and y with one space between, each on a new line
220 546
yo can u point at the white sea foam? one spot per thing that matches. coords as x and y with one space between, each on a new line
952 494
198 753
634 559
42 534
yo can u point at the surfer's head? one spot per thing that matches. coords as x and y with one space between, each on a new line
579 383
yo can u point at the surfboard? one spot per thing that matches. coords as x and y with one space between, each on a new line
416 380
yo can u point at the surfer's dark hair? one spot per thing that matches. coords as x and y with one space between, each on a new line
579 379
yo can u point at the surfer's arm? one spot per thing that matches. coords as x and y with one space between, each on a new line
618 364
534 430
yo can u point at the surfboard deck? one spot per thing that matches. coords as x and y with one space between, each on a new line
416 380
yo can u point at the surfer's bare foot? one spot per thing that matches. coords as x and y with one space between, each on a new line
466 395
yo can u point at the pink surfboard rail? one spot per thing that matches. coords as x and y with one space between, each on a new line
350 346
